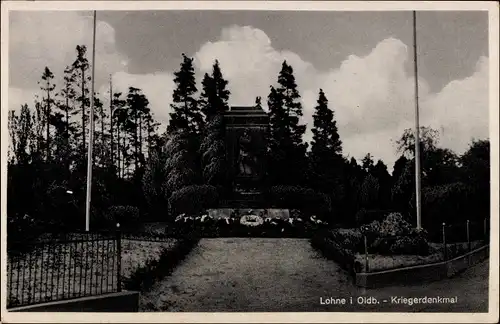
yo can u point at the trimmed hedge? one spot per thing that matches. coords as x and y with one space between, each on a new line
144 277
193 199
332 250
126 216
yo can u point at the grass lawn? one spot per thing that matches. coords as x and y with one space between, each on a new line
67 270
274 275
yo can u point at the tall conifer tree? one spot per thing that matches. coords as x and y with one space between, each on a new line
213 102
326 148
48 87
286 146
81 76
186 113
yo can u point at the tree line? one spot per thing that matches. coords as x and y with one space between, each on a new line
136 165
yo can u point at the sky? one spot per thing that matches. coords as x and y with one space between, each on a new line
362 60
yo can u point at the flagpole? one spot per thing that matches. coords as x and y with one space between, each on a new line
91 134
417 126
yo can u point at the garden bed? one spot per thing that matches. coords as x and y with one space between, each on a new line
356 262
391 244
246 225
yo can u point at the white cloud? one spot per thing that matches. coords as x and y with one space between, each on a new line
157 87
372 95
460 111
49 38
20 96
249 62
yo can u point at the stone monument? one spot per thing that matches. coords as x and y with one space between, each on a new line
246 150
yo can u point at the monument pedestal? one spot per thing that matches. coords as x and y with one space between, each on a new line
246 150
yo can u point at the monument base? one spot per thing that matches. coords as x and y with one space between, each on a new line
273 213
246 200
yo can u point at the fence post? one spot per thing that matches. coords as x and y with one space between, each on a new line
468 236
444 242
118 257
366 254
485 229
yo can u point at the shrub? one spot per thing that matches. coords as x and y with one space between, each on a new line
417 245
144 277
193 199
294 197
21 228
396 245
392 225
394 235
333 250
350 239
126 216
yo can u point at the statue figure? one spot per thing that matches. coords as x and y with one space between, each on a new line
246 161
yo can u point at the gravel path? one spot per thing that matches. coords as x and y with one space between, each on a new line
272 275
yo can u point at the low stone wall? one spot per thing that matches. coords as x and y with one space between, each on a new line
125 301
422 273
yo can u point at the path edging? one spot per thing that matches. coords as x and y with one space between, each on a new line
422 273
144 277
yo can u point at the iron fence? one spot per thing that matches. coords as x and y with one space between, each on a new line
63 267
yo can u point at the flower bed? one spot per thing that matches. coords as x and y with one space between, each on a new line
386 241
248 225
391 243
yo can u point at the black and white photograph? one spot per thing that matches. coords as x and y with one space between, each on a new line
189 158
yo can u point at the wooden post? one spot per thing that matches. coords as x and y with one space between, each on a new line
485 229
468 236
118 257
366 254
444 242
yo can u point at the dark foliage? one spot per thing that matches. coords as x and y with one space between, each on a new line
286 147
451 203
295 197
193 199
126 216
365 216
186 114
